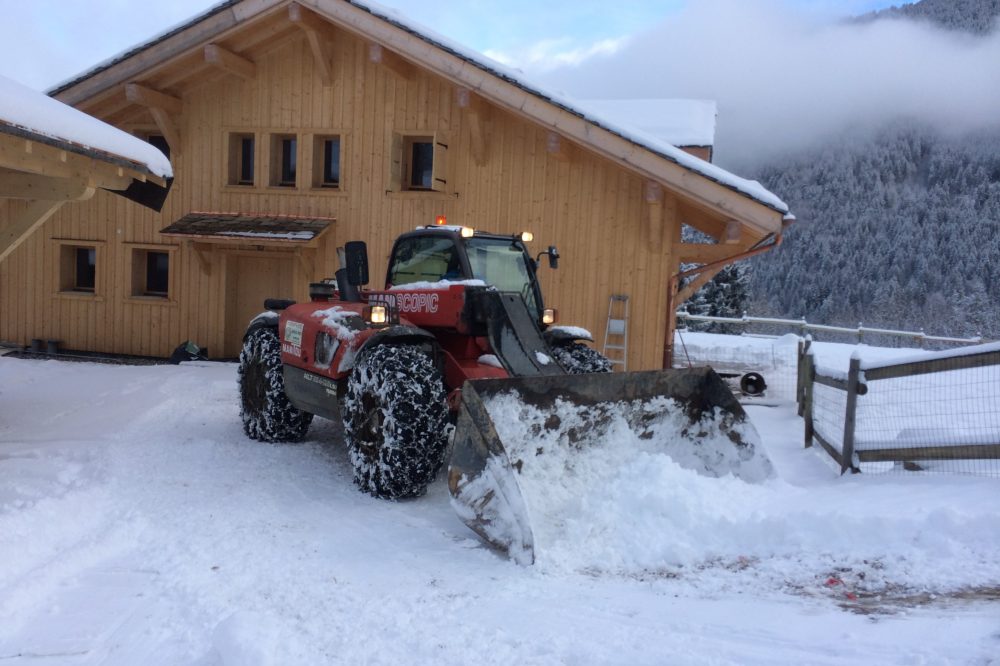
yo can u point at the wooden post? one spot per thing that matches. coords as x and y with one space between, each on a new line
850 417
809 372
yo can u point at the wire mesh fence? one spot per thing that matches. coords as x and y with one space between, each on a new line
936 414
775 359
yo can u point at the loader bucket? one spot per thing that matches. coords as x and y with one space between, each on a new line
525 449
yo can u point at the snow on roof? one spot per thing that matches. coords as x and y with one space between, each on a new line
33 111
679 122
654 144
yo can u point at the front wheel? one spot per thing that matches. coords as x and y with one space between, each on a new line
267 414
395 419
578 359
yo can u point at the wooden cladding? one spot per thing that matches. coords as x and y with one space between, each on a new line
489 169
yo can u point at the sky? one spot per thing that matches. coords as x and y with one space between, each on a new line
53 40
785 73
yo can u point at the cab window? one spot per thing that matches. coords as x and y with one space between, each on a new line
424 259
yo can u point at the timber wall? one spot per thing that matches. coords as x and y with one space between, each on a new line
590 208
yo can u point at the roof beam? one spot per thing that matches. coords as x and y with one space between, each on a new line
380 55
20 185
161 106
16 230
230 63
476 112
153 99
705 253
316 30
20 154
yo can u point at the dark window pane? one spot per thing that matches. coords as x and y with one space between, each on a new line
86 268
422 165
157 273
288 162
246 161
331 162
160 143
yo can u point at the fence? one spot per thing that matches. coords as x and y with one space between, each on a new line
859 334
939 412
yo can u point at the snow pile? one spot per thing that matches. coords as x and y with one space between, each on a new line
578 468
571 332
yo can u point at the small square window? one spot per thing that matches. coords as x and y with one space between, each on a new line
78 268
326 162
419 163
150 273
242 149
284 160
419 166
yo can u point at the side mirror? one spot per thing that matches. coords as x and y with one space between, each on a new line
553 256
356 263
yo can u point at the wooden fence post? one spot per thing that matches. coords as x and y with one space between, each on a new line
800 375
809 376
850 417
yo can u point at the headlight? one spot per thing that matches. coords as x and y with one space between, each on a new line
549 316
378 314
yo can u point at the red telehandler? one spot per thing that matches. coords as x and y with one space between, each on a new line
457 348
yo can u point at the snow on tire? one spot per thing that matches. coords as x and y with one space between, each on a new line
578 359
267 414
395 419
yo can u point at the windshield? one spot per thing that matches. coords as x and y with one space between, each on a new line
501 263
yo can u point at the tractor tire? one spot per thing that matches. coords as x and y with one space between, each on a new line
267 414
395 420
579 359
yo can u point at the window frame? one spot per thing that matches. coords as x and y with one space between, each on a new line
66 272
236 155
276 172
319 182
138 273
401 162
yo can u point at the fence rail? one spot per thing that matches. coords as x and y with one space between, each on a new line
913 412
804 328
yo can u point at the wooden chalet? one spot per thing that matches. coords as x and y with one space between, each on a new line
293 127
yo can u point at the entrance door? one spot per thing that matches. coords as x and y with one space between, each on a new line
249 280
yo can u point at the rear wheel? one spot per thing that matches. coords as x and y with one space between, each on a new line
395 419
578 359
267 414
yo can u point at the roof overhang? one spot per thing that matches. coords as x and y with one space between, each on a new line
250 229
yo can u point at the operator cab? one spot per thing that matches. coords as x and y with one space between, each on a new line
435 253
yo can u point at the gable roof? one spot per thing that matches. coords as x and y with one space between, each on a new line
641 152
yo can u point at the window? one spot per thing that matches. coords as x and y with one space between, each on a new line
419 163
150 273
420 166
284 160
241 159
326 161
425 259
78 268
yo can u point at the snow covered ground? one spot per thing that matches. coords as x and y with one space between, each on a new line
139 526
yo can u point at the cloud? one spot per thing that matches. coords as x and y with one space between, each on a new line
549 54
785 78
